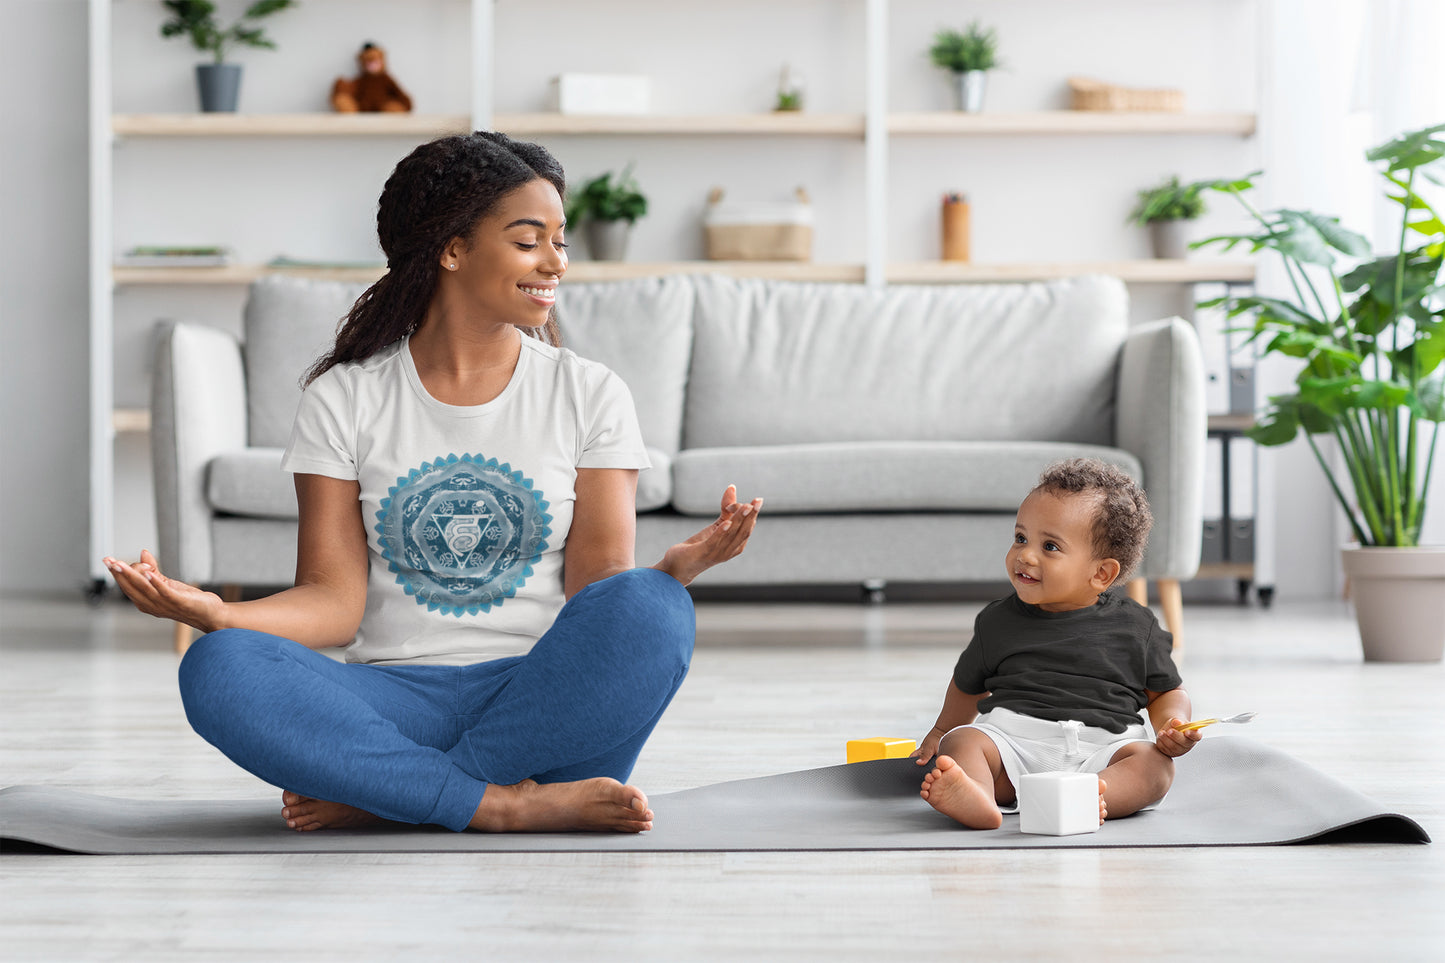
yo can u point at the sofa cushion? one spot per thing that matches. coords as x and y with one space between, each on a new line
642 330
867 476
289 323
251 483
654 485
778 363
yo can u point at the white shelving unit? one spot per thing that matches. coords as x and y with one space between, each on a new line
875 127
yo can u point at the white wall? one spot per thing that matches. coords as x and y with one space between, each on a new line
1034 198
43 295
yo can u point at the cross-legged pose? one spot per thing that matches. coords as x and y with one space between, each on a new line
466 499
1063 666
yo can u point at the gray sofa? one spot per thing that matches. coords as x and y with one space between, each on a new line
892 432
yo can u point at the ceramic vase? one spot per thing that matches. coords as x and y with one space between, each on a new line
607 240
1399 600
219 86
1167 239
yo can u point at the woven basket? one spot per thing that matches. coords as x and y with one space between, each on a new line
758 231
1095 95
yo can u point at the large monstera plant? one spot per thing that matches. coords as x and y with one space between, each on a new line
1369 334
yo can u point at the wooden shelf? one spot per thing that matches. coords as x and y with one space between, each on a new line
1238 421
236 274
800 124
1135 272
780 123
1244 570
131 420
926 272
288 125
768 270
1072 122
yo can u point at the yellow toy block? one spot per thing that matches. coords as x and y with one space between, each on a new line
861 750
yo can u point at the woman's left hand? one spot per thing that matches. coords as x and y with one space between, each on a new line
723 539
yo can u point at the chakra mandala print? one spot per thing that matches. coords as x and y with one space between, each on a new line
461 533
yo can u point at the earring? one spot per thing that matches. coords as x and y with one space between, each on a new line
451 267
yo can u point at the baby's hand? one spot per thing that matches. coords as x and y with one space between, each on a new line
927 747
1173 743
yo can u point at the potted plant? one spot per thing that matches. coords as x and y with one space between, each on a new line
1163 210
606 209
1370 337
219 82
968 54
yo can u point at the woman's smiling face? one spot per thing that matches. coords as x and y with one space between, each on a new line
516 257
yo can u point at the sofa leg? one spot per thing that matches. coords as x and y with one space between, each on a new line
1138 590
1171 600
182 636
230 592
874 591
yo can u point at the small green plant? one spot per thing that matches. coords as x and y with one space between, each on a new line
1170 201
789 100
975 48
603 199
197 20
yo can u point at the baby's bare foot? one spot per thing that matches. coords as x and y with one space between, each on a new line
952 792
305 815
601 805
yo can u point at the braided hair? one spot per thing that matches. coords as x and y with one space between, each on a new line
437 192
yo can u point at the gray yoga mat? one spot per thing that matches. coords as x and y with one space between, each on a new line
1229 791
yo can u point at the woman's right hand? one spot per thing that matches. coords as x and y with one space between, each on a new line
166 598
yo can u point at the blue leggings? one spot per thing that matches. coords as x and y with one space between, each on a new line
420 743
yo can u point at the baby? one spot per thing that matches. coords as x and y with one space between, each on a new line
1062 667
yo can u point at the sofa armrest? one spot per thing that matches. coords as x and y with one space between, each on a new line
1160 417
198 409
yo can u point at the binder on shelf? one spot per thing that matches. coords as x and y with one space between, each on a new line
1240 537
1210 325
1212 551
1241 387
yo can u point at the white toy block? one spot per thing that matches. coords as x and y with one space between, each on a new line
1058 803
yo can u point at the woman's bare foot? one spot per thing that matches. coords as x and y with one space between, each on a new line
600 804
305 815
1103 806
953 792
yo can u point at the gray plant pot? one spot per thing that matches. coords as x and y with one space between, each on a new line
1167 239
607 240
968 89
219 86
1399 599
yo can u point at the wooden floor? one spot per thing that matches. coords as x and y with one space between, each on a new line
87 701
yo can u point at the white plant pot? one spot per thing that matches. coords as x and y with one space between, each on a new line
968 90
607 240
1167 239
1399 600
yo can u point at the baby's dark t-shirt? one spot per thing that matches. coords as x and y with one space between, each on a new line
1092 664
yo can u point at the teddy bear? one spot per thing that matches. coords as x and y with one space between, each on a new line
372 89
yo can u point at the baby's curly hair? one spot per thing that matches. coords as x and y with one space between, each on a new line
1122 519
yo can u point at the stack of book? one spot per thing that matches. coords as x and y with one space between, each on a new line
176 257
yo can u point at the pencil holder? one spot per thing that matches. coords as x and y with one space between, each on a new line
955 228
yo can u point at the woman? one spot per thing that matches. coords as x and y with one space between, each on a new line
466 502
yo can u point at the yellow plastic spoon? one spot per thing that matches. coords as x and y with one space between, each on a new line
1241 717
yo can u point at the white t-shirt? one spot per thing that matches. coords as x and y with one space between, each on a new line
466 509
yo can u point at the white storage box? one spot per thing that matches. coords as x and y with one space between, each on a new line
758 230
601 94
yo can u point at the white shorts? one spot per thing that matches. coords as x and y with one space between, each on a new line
1026 744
